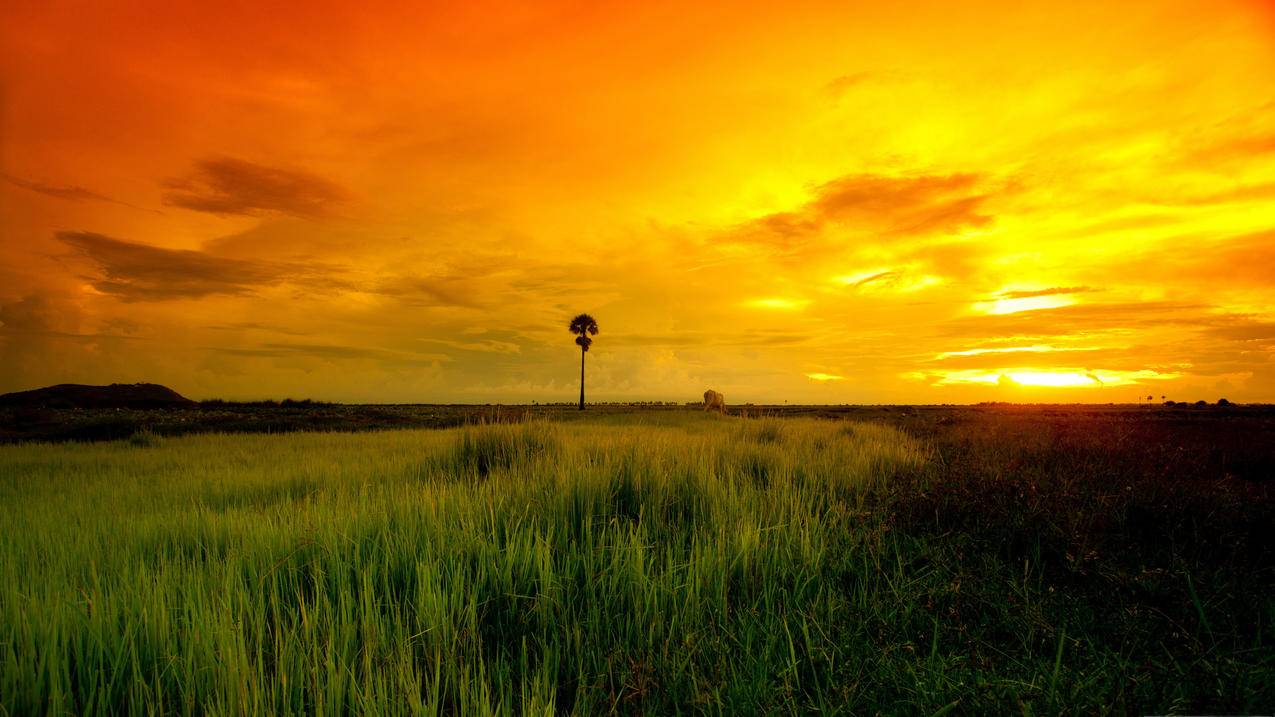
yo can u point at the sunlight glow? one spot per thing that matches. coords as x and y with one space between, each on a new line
1027 303
1056 378
824 377
1050 378
862 277
777 303
1035 348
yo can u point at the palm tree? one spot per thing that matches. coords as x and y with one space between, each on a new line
583 326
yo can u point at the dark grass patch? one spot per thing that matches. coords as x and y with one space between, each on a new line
484 449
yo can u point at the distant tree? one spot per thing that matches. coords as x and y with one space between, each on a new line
1223 402
1150 399
583 326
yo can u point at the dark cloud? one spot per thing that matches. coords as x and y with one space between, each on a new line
224 185
69 193
48 316
33 313
886 205
139 272
1052 291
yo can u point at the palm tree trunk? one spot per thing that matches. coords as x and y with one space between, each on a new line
581 379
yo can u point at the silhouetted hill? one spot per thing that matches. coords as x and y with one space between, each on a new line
117 395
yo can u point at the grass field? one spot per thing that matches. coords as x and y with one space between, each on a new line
634 563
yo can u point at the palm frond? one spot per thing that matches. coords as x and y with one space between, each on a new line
583 324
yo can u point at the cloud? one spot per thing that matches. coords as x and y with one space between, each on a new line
33 313
70 193
877 277
50 316
1243 145
139 272
1218 263
1029 358
467 291
1052 291
484 281
956 258
911 205
1254 331
1079 319
330 352
892 206
490 346
1261 191
224 185
256 326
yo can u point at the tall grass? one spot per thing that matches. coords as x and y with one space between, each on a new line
662 564
492 569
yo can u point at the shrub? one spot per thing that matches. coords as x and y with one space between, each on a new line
485 448
144 438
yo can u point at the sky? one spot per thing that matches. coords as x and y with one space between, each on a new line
841 202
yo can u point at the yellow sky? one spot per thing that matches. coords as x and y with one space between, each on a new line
811 202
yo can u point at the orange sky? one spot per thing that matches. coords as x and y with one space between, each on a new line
814 202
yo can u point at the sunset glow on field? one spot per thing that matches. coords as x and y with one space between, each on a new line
804 202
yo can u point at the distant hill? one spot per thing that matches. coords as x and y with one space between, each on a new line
117 395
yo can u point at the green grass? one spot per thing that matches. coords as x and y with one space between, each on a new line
636 564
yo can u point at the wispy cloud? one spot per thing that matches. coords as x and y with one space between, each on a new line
1052 291
140 272
892 206
336 352
68 192
225 185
